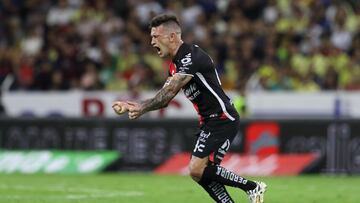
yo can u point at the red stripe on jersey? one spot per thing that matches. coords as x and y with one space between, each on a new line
201 119
223 116
172 68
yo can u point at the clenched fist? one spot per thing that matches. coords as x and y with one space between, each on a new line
120 107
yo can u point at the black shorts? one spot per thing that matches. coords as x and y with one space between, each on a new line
215 137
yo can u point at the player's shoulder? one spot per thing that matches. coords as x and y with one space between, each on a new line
199 54
197 51
201 57
188 52
190 58
184 55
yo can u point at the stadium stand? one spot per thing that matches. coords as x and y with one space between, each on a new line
302 45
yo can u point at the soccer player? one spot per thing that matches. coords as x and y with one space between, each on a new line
193 71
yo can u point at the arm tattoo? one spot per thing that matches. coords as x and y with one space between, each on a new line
166 94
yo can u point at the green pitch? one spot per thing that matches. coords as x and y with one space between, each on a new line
147 188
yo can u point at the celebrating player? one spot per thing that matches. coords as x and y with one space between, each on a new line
193 70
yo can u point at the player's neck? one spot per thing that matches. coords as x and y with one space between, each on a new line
177 45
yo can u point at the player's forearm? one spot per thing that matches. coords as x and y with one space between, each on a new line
161 99
166 94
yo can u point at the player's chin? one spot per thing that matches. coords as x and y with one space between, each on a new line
161 54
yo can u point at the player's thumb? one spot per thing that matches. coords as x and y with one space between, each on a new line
115 103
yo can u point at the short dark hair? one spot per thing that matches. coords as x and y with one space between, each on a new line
162 19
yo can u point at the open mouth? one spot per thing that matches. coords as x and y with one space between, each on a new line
157 49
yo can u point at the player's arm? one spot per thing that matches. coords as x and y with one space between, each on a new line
171 87
121 107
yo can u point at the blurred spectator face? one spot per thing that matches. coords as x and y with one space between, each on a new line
161 39
63 3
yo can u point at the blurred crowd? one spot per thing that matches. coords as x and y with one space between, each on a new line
295 45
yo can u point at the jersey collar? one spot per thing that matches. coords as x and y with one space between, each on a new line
181 51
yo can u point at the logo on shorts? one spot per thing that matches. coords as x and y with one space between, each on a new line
223 149
203 136
199 147
200 143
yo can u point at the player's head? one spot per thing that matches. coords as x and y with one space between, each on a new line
165 34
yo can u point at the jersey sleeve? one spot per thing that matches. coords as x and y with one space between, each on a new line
186 65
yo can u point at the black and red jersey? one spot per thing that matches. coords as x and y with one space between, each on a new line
204 89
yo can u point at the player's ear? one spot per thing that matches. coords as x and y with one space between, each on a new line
172 36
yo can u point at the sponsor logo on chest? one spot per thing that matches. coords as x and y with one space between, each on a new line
186 61
191 92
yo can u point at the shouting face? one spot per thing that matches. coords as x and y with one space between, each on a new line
160 40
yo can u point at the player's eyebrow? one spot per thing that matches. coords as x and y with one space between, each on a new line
154 35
